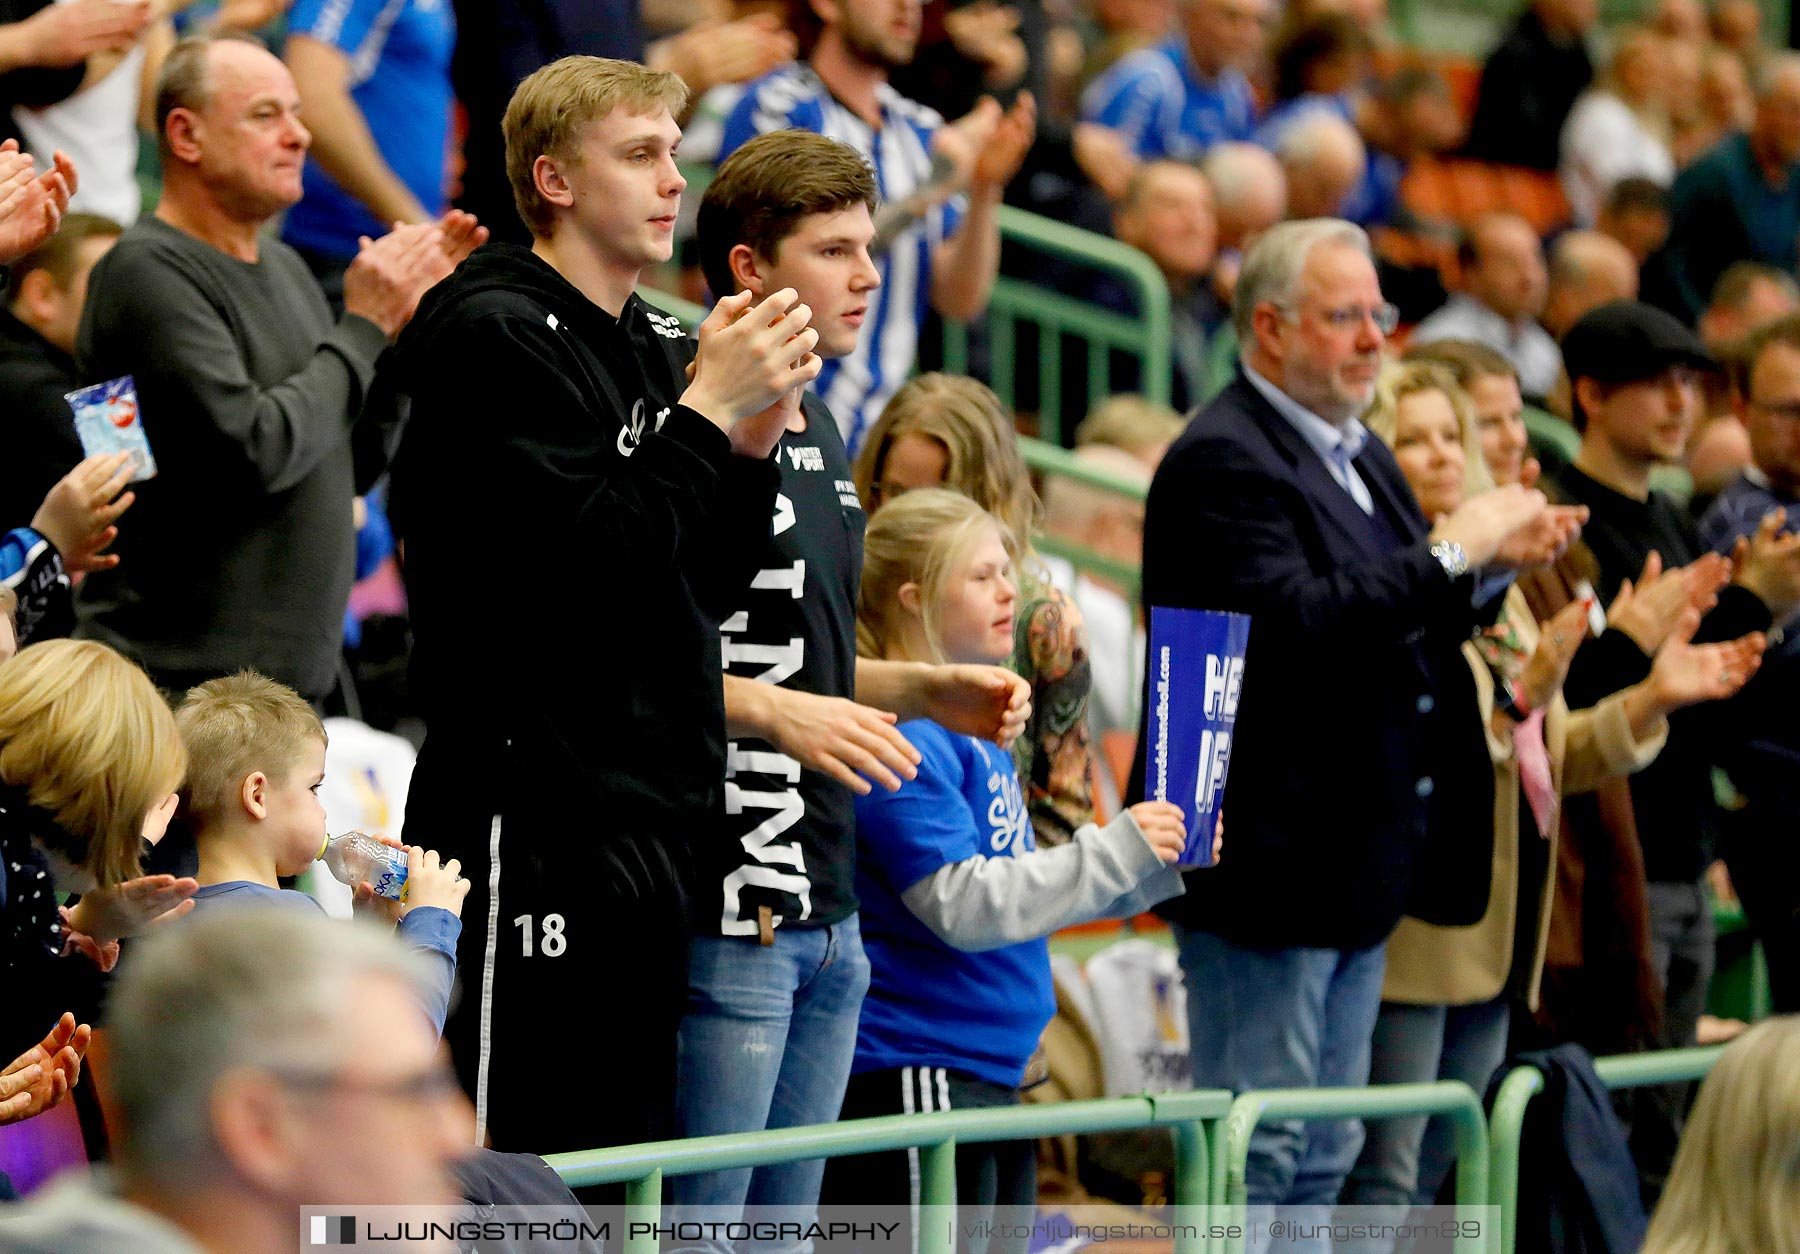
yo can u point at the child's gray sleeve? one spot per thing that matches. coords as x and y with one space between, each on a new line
985 903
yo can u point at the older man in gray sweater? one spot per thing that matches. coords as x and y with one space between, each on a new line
241 550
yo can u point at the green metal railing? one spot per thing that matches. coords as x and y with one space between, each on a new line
1058 317
1212 1134
1099 332
642 1167
1507 1122
1231 1150
1054 460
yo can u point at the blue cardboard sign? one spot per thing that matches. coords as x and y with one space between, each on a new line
1195 673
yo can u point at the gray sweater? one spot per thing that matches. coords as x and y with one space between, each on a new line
1109 872
240 553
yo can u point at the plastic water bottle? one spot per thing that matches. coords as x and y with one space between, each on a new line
355 857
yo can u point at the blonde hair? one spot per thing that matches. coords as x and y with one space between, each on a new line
234 726
551 108
86 735
1133 423
980 444
919 538
1400 380
1735 1184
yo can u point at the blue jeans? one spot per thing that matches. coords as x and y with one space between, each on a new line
1404 1161
1278 1019
767 1042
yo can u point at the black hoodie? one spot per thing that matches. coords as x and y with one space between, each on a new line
546 455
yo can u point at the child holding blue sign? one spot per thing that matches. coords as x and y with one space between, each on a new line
956 898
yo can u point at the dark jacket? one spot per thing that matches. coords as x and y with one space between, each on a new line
545 440
1355 695
1673 796
41 444
1722 210
1529 84
1578 1188
490 1181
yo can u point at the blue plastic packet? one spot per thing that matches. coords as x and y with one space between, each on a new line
1195 673
107 420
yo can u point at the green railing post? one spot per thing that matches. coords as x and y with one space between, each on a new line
937 1197
1218 1167
1144 335
1190 1191
1505 1126
1192 1116
643 1205
1442 1097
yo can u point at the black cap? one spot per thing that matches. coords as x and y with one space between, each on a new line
1627 341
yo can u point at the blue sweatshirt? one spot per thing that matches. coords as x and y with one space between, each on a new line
431 930
930 1004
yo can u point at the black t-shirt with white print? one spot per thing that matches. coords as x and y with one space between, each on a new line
788 840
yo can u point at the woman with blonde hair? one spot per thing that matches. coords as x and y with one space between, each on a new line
948 431
89 764
1448 991
1735 1185
956 898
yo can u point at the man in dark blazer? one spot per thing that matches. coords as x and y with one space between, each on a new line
1276 504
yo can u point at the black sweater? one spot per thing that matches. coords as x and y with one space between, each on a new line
240 552
546 451
1672 797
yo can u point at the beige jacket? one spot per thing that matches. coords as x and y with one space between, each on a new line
1457 966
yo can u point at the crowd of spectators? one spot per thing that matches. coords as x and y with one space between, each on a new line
791 731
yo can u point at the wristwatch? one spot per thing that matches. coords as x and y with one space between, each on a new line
1451 557
1509 700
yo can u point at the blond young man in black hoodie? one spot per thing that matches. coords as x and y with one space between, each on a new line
575 746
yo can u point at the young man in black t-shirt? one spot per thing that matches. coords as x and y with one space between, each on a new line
1632 372
777 972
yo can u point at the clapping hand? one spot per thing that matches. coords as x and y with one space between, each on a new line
31 204
42 1076
1685 673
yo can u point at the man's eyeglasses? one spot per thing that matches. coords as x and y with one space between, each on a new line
1385 316
434 1085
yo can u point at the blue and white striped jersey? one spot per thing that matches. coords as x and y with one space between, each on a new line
855 388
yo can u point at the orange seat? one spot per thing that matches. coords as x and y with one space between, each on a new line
1459 191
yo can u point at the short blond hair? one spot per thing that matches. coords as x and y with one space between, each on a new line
1134 423
235 726
551 108
1400 380
918 538
91 742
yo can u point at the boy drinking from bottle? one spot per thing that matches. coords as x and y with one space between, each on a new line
257 757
